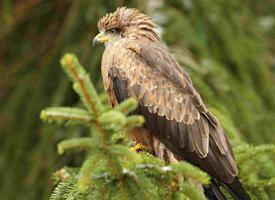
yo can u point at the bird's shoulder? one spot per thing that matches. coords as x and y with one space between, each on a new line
155 78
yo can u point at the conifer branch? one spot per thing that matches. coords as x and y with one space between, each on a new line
82 83
246 152
66 115
263 183
192 192
104 98
190 171
85 173
112 121
134 121
127 106
90 98
75 143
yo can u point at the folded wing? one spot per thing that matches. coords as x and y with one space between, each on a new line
173 109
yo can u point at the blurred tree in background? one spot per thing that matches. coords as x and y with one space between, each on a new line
228 48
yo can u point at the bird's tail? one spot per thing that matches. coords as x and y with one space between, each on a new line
213 192
235 188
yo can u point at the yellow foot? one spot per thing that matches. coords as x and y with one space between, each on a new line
138 147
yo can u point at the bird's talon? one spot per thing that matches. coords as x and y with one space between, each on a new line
138 147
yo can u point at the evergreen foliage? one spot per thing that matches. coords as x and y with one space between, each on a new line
111 171
227 47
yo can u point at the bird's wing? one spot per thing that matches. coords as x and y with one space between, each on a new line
173 110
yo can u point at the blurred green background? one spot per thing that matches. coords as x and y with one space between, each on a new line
228 48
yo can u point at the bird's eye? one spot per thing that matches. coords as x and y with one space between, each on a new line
113 30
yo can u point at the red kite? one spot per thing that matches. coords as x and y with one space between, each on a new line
136 63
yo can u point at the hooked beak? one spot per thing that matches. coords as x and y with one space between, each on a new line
99 39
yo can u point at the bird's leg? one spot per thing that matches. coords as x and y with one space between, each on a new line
141 139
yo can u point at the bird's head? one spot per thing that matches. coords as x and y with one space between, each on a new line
125 23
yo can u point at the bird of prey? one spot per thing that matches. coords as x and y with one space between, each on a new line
136 63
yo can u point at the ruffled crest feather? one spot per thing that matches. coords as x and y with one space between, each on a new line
130 21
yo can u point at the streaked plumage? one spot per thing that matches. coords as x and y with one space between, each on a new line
135 63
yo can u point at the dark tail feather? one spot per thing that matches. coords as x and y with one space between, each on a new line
213 192
237 190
